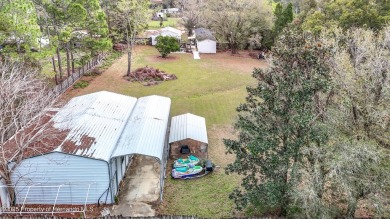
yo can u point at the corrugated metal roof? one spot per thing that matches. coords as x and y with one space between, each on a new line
145 131
188 126
93 123
173 30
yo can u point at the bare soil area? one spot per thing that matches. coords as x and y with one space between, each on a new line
217 150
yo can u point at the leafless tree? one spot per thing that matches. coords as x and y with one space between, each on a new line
24 127
192 14
361 72
353 167
238 22
130 18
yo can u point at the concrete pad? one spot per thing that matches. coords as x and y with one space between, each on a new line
141 188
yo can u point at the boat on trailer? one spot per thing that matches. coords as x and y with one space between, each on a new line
192 171
186 162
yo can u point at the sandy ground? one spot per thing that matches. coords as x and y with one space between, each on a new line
217 148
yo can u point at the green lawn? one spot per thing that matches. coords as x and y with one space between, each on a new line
172 22
211 87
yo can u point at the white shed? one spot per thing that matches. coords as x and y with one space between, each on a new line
98 134
205 41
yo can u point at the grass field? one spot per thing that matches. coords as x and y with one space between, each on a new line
172 22
211 87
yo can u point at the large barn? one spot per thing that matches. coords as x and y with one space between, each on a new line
98 135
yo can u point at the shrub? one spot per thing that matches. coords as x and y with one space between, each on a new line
81 84
166 45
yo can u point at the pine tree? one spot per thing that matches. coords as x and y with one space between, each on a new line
277 120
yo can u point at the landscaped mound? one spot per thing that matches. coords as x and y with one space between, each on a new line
150 76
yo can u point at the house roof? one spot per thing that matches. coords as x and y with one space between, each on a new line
171 29
203 34
146 129
188 126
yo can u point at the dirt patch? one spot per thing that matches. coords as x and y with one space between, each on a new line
242 61
140 189
217 149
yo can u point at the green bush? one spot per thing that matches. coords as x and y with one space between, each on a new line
166 45
81 84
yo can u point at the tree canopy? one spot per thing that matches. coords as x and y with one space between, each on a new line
312 133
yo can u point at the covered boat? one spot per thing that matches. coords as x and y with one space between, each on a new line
186 172
187 162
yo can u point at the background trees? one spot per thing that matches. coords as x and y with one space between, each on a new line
312 133
131 17
372 14
238 22
19 28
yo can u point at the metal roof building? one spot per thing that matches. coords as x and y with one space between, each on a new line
189 130
95 138
188 126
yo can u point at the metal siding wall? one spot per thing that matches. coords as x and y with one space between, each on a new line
119 169
207 46
56 169
113 179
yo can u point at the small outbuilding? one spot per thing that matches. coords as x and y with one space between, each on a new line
205 41
170 31
94 139
188 135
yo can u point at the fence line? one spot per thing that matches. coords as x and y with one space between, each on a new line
70 80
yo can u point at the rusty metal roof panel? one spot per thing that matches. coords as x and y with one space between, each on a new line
188 126
93 123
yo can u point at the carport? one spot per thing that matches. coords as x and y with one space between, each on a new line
146 132
95 136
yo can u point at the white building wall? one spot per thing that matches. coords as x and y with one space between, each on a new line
207 46
73 172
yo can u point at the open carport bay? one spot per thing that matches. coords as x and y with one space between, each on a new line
140 188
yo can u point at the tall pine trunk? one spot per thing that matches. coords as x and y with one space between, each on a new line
59 62
67 59
71 57
54 68
129 54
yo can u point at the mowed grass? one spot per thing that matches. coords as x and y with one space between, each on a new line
172 22
211 87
